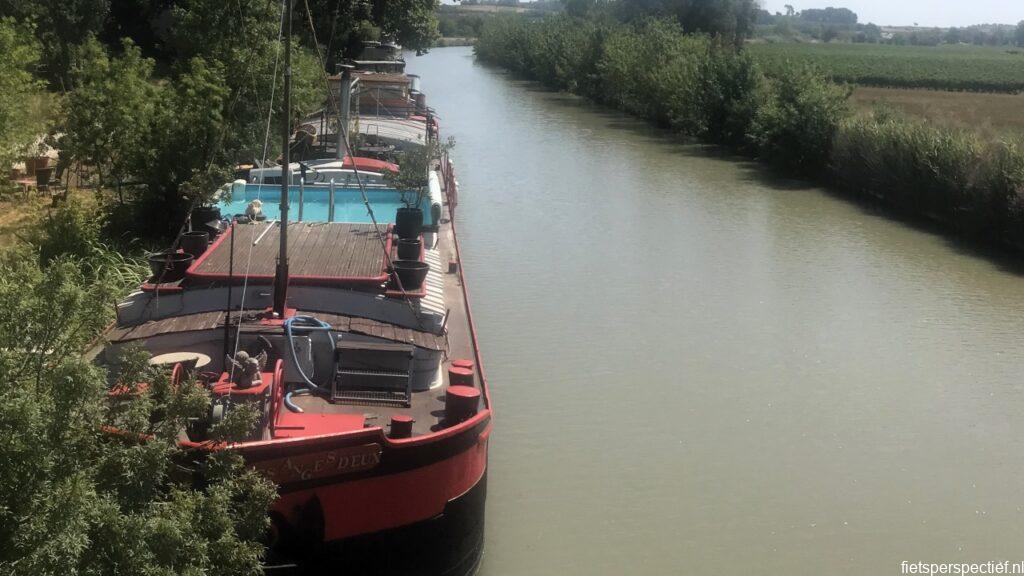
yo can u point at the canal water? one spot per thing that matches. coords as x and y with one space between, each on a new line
699 369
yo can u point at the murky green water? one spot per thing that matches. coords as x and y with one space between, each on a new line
699 370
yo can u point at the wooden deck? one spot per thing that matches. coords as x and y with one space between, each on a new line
333 253
215 321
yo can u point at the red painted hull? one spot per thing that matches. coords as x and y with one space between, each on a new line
376 505
365 492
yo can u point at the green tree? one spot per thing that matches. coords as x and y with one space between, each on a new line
413 23
731 93
579 8
19 53
730 19
175 141
164 123
240 40
92 483
1019 34
340 26
61 27
110 114
797 126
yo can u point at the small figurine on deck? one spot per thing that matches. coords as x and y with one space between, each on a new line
254 211
246 370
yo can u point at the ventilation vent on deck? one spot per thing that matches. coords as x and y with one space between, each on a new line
372 373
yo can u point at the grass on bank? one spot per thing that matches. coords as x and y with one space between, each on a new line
947 67
990 115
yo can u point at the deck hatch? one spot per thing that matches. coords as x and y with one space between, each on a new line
373 373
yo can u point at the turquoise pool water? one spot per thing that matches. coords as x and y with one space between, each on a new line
348 203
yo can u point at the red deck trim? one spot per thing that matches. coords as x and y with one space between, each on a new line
161 288
465 292
210 249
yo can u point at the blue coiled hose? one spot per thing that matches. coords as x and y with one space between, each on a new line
311 324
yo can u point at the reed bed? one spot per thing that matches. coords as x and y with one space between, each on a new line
793 117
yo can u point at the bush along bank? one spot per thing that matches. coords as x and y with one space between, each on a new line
794 119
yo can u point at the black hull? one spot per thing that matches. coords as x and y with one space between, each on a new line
448 545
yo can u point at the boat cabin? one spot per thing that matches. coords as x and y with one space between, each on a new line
327 170
380 57
374 333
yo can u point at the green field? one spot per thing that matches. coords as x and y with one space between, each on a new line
974 68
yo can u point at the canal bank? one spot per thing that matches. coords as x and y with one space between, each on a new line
701 370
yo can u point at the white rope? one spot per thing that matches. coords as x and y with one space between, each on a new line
343 135
259 193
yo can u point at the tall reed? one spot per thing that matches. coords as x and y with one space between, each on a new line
793 118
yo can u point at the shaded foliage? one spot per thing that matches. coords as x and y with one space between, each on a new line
797 125
19 53
92 482
730 19
162 117
61 26
164 145
342 25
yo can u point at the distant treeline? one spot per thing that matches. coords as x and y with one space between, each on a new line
811 24
841 24
794 119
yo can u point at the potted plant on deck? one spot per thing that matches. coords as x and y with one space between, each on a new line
412 181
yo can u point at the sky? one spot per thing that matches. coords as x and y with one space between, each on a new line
924 12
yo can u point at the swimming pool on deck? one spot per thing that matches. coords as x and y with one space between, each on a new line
348 203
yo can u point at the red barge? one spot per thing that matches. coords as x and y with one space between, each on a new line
355 342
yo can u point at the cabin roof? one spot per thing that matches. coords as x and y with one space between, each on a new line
360 162
407 130
377 77
383 78
330 253
215 320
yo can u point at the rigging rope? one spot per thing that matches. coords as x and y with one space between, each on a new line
209 166
259 191
343 135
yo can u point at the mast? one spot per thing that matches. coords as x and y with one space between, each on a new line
281 272
344 105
